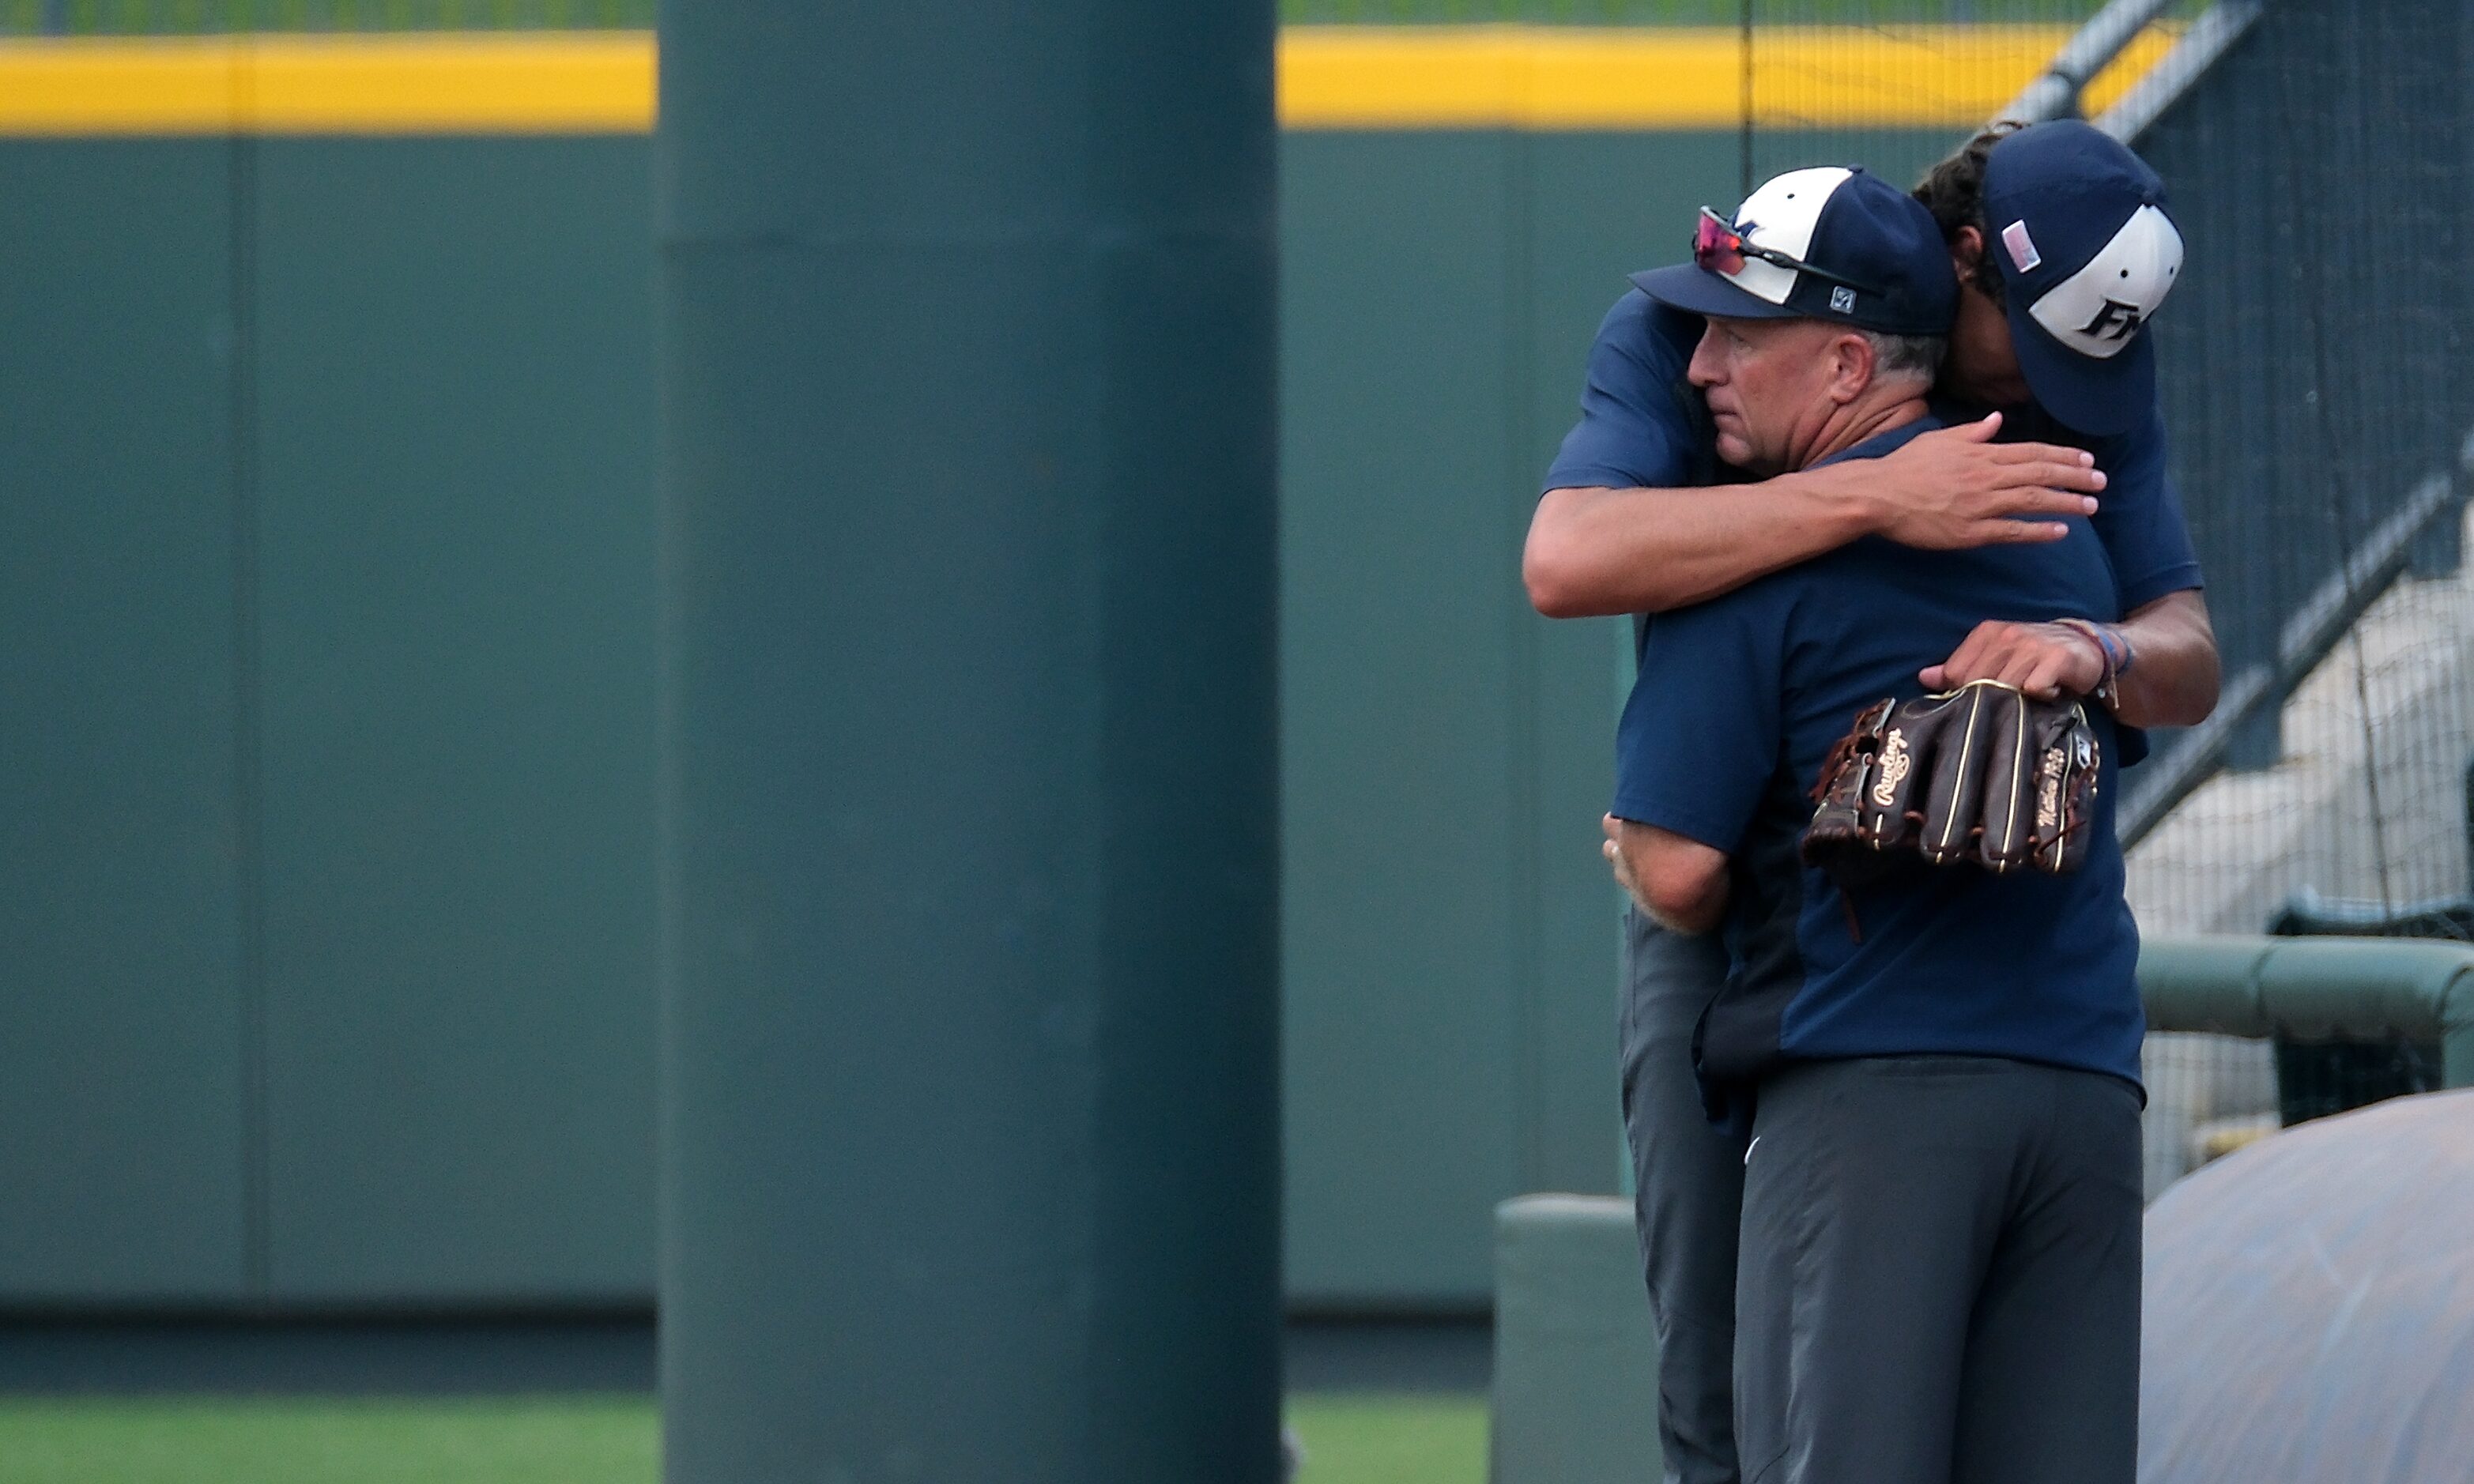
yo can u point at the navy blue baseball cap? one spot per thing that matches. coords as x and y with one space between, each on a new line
2078 231
1821 244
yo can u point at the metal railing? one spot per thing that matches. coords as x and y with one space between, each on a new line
2055 91
2305 638
2200 47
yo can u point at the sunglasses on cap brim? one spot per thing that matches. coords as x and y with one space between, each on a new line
1720 249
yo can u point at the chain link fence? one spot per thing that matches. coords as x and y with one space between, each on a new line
1825 84
2319 404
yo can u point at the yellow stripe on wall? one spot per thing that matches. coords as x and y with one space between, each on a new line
559 83
1332 78
1540 78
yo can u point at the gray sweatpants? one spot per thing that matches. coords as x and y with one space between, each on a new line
1939 1276
1689 1186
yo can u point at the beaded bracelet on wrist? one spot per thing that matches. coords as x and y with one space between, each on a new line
2113 654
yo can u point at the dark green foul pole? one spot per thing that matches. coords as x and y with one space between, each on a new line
969 1132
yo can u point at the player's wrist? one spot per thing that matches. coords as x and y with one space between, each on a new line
2109 652
1849 496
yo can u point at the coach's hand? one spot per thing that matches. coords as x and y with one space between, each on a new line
1955 488
2045 661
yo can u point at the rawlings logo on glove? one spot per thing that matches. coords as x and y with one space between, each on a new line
1983 776
1893 770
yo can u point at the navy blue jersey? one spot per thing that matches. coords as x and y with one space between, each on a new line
1736 704
2138 515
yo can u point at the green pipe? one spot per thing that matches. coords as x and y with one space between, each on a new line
2311 988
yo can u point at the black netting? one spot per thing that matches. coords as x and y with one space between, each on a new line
2319 402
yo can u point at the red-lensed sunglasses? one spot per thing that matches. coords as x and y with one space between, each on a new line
1719 248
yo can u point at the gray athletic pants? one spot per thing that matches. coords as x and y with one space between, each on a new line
1689 1186
1939 1276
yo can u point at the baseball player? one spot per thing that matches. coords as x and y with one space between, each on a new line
1629 524
1938 1279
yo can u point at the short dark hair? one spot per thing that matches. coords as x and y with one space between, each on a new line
1954 192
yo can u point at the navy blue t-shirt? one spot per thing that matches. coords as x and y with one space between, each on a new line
2138 515
1735 708
1642 425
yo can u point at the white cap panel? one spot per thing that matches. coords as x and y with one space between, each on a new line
2097 311
1780 215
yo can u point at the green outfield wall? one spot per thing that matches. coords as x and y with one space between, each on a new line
326 694
325 485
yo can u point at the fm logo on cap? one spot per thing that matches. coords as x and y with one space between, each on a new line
2098 309
2115 321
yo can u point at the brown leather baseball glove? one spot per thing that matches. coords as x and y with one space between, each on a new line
1984 775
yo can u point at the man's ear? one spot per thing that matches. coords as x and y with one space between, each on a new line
1966 252
1850 367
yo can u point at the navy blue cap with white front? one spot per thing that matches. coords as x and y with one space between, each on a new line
2076 227
1866 255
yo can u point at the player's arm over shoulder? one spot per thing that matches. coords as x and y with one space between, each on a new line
1599 549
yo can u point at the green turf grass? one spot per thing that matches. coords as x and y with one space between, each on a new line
529 1441
1390 1440
1348 1440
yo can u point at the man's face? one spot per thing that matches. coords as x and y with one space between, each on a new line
1983 366
1768 385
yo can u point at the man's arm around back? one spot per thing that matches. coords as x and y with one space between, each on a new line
1594 552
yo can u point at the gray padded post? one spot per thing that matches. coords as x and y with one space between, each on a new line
1575 1355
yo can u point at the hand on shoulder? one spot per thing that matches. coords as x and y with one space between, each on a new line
1955 488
